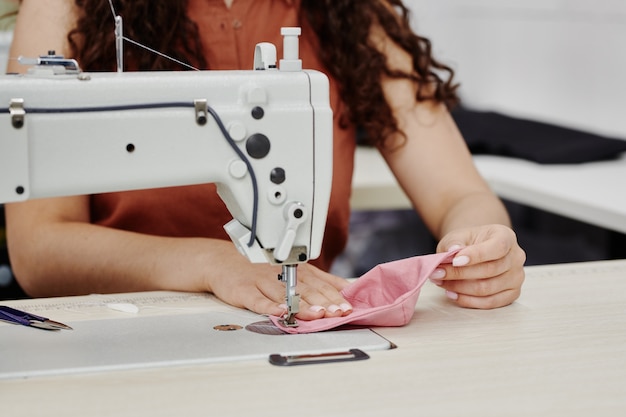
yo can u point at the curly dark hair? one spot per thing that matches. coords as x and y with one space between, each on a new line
341 26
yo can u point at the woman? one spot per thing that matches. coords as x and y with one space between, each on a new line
383 78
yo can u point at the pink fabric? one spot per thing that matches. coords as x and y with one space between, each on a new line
384 296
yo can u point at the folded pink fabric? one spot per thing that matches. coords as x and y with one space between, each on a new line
384 296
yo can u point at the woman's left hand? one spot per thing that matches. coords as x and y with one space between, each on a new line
487 272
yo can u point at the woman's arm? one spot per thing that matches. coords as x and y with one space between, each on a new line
56 251
435 169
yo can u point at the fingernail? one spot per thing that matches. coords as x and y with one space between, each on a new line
437 281
316 309
454 247
333 308
438 273
345 307
452 295
460 260
283 306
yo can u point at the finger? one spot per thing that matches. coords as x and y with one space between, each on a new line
326 297
260 303
483 252
465 267
319 297
480 244
500 299
482 288
321 290
479 287
490 269
270 298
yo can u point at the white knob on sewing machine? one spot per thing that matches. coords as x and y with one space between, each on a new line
291 50
264 56
295 214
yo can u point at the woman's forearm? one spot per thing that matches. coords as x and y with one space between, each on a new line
81 258
474 209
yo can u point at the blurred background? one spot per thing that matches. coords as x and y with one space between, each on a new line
561 62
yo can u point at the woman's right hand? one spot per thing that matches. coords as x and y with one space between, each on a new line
256 287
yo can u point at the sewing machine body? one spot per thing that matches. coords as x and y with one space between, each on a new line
65 134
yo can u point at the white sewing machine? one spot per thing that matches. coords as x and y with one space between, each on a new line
263 136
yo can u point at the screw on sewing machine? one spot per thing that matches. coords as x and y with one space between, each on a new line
257 112
17 112
200 106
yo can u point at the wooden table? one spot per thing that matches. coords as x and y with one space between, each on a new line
560 350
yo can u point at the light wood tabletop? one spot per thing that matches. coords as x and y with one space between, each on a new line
560 350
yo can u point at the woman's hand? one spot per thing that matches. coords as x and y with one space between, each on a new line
488 270
258 289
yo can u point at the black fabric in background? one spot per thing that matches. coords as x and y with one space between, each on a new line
494 133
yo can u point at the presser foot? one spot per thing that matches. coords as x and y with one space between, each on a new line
289 319
292 299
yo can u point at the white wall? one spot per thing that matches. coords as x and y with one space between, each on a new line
561 61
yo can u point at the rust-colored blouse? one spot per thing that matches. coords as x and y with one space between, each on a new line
229 37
